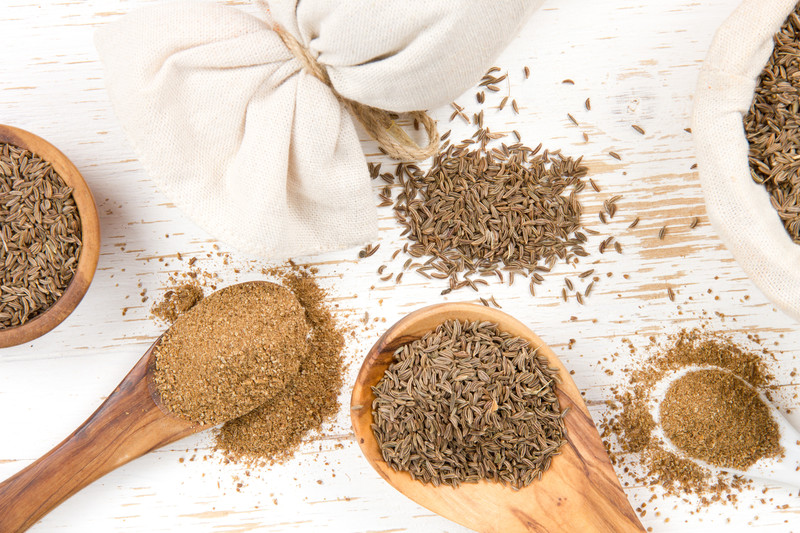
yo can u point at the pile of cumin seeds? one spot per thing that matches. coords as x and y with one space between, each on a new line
40 234
468 402
773 128
480 210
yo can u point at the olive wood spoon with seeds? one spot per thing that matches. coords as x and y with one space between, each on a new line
785 469
130 423
90 238
579 492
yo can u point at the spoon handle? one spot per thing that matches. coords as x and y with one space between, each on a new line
127 425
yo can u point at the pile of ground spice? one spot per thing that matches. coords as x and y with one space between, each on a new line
714 416
275 429
177 301
627 429
272 430
231 352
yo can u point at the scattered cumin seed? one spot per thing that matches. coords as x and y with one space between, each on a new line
588 105
638 128
634 223
694 223
572 119
615 155
662 232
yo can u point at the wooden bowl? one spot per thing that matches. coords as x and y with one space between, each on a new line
579 492
90 237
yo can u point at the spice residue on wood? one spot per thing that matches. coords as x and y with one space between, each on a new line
40 235
468 402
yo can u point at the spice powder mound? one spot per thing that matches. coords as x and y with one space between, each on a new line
468 402
628 427
177 301
714 416
273 430
231 352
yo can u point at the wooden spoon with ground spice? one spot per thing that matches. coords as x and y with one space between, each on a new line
218 361
721 422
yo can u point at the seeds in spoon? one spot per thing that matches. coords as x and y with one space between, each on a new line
468 402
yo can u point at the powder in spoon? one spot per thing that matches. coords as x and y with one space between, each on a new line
274 430
714 416
231 352
177 301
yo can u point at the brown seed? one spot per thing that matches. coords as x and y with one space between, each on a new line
594 185
514 106
671 293
572 119
662 232
694 223
588 105
568 82
634 223
638 129
527 72
615 155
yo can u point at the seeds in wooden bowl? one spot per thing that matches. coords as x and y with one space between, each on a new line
40 234
773 129
468 402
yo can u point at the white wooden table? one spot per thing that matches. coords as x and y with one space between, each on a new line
637 61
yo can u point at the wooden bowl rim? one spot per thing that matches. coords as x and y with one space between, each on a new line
90 237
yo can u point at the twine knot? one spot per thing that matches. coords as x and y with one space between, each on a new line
378 123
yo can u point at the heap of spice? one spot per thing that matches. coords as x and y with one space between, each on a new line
468 402
480 209
177 301
280 413
40 230
715 416
232 352
773 129
628 427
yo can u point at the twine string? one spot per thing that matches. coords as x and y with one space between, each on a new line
378 123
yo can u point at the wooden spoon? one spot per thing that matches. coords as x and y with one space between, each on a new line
90 237
130 423
579 492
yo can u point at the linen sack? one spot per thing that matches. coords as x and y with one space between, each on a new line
255 149
739 208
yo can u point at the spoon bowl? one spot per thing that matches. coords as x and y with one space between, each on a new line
579 492
785 469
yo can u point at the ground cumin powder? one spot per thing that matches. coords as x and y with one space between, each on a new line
714 416
628 427
177 301
271 430
231 352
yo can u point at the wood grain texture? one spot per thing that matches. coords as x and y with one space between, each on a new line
579 492
90 237
637 61
127 425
